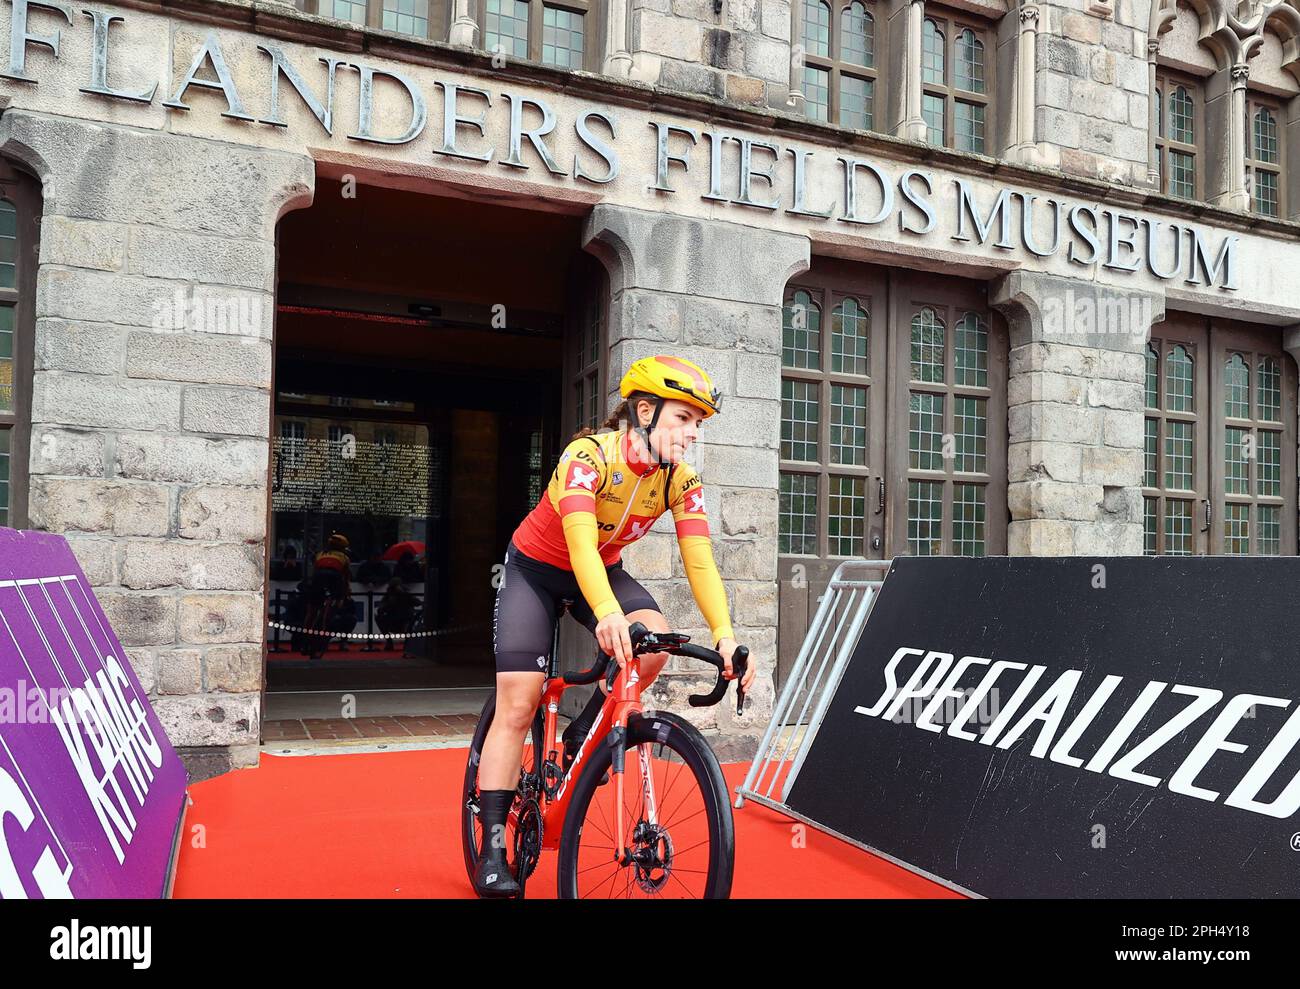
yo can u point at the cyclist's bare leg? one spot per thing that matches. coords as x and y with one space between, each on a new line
518 695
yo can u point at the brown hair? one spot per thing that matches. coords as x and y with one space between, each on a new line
621 413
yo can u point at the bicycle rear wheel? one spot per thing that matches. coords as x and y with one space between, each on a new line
471 831
683 834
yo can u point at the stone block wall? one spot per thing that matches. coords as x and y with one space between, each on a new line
1075 416
151 401
1093 89
734 50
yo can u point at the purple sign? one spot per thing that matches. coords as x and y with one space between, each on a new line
91 790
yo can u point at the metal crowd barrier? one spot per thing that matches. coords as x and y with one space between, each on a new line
826 651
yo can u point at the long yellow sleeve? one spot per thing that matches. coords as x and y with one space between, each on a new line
692 522
706 584
588 567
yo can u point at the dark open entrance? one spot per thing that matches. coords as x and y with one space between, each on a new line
420 361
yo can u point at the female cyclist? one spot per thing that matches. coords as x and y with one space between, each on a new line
606 492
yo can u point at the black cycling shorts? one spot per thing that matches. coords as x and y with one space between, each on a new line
528 605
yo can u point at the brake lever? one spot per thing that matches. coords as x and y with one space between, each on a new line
739 665
636 633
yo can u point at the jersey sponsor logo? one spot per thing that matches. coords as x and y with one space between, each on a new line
581 477
695 502
564 457
637 526
584 455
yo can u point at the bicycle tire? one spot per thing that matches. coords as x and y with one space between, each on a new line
660 730
469 829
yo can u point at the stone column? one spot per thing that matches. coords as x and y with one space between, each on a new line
1024 145
1154 109
1237 197
151 405
796 54
1075 414
618 61
913 125
464 27
676 288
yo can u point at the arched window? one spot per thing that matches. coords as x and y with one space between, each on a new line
1264 150
1178 130
849 338
933 73
801 332
955 79
19 225
927 346
1236 387
839 75
1170 478
1179 387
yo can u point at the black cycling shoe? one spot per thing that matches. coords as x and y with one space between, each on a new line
493 878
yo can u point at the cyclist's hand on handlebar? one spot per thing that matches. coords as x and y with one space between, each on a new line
612 636
725 648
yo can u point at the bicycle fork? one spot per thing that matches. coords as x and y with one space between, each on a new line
617 739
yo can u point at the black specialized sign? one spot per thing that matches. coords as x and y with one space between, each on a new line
1118 727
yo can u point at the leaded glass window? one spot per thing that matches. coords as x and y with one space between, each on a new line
955 84
839 55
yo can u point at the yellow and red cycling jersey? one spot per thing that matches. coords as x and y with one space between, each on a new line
599 500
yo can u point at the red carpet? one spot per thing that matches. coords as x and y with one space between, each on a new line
386 824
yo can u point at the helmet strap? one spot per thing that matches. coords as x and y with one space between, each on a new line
645 431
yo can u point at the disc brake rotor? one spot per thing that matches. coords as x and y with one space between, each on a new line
652 855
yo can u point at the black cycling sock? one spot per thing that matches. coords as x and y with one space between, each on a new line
493 809
580 725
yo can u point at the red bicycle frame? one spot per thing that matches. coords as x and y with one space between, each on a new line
623 701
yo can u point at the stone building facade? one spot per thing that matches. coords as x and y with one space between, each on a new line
975 277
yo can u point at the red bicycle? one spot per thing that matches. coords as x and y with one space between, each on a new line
662 828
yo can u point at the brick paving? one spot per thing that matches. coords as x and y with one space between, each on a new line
388 726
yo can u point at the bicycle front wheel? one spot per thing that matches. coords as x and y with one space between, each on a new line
680 836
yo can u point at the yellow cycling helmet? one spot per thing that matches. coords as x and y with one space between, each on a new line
672 377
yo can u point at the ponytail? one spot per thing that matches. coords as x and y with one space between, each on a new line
622 413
